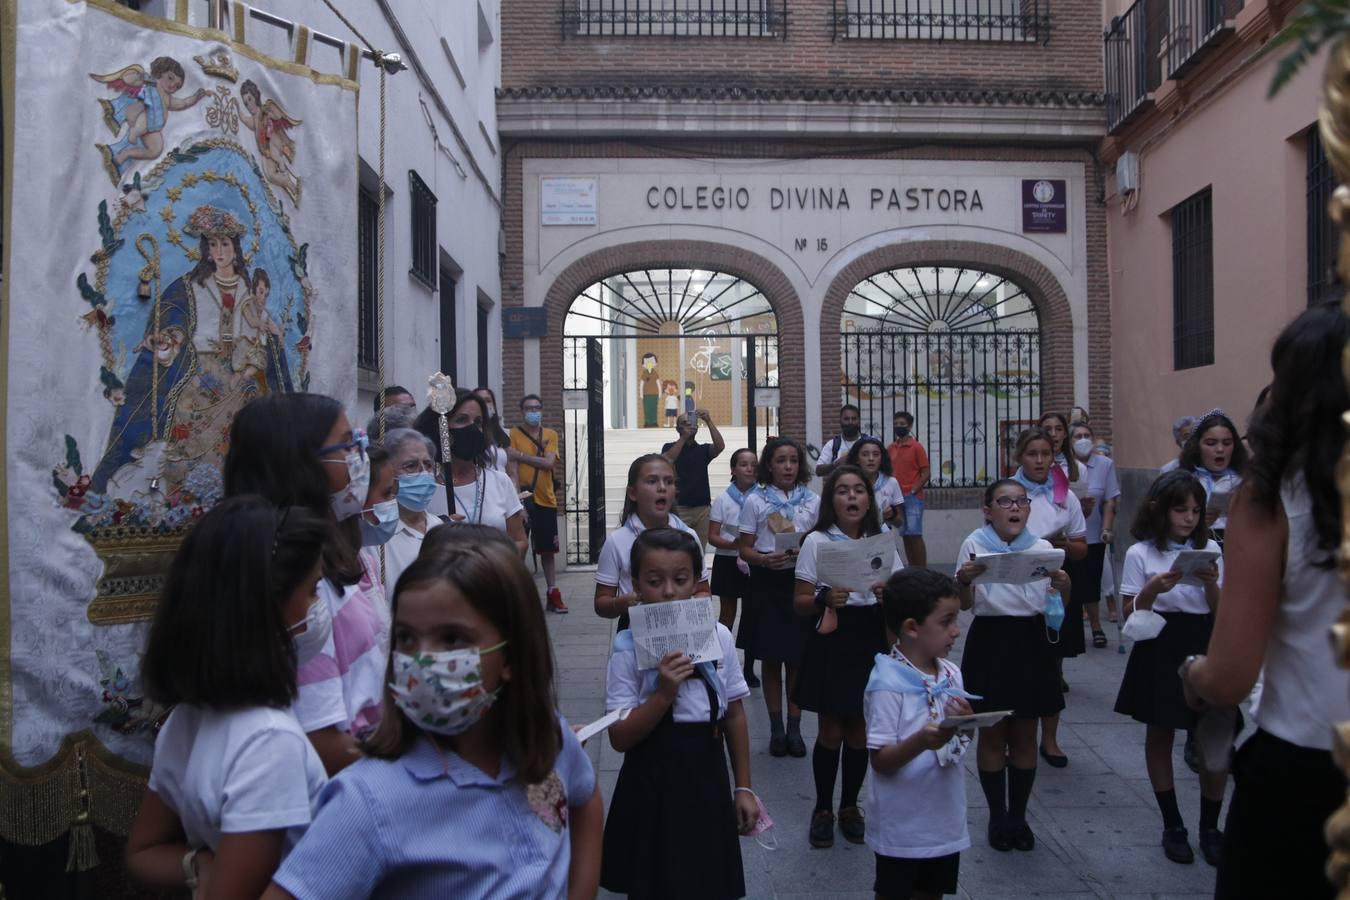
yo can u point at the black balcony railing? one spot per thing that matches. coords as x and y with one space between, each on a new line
674 18
942 20
1155 40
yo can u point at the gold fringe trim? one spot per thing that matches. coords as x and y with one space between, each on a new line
82 786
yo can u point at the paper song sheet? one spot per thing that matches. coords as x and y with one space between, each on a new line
975 720
601 724
1188 562
689 626
856 565
1020 567
1218 503
787 541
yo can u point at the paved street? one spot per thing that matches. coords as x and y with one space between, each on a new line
1096 822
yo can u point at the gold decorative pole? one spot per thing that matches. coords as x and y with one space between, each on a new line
1334 125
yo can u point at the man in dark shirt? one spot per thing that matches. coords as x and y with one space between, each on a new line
693 497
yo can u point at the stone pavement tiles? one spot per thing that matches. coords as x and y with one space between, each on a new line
1096 823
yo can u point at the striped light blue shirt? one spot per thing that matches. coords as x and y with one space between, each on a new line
434 826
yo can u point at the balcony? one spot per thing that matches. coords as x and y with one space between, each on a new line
674 18
942 20
1156 40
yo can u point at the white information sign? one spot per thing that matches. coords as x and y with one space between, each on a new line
567 201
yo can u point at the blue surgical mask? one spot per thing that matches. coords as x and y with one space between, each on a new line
533 418
387 515
415 491
1054 611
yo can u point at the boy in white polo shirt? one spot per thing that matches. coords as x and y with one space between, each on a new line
916 797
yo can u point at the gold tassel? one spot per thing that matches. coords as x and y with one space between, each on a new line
83 856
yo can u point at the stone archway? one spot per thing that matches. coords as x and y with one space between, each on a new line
1044 289
656 254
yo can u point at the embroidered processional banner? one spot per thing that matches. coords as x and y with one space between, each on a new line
180 226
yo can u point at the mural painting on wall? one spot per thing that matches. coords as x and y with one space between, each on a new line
651 389
191 278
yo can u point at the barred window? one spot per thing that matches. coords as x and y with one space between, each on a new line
367 280
423 230
945 20
1323 235
449 339
709 18
1193 282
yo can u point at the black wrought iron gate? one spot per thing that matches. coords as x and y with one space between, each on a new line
970 393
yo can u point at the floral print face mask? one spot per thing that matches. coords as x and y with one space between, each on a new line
443 691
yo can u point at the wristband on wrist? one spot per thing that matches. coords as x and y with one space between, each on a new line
822 598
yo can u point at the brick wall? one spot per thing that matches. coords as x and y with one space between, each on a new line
535 52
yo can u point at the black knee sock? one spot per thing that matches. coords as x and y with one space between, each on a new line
775 723
824 763
855 770
1167 803
995 786
794 725
1209 809
1019 792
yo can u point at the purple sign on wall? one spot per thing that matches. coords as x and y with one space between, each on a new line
1045 205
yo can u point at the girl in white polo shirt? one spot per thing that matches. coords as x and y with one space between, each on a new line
870 455
1171 520
234 777
1217 457
730 573
1008 661
838 657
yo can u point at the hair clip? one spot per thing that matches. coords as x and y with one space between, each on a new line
359 436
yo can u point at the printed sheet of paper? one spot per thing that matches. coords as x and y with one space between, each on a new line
1218 502
975 720
1021 567
689 626
601 724
787 541
856 565
1188 562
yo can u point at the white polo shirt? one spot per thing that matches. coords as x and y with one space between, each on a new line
1143 560
612 568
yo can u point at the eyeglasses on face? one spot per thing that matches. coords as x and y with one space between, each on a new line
416 466
1012 502
359 439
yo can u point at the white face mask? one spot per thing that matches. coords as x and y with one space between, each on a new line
318 624
443 691
351 500
1083 447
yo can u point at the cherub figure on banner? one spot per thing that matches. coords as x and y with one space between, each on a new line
142 109
271 126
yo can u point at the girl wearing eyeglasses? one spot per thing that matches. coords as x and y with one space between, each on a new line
1008 661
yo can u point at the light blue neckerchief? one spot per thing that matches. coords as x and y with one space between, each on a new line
737 495
1208 478
891 674
623 643
799 496
1173 546
1046 487
988 539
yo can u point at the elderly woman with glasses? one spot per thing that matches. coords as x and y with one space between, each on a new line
412 455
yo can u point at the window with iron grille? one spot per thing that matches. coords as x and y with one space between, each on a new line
1323 235
1193 282
707 18
942 20
367 280
423 230
483 313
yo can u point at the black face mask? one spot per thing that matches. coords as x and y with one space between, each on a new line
851 433
467 442
901 432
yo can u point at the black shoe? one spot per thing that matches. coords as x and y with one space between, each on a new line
795 745
852 825
822 829
1211 845
1177 847
778 745
1022 838
751 680
1057 760
1191 754
998 835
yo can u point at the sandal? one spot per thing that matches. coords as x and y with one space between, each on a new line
1099 639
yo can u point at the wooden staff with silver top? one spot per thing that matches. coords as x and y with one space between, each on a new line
441 399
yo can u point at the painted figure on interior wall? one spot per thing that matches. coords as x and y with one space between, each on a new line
651 390
142 109
671 390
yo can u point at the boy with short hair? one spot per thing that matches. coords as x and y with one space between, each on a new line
917 794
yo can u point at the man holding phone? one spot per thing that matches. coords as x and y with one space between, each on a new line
693 496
